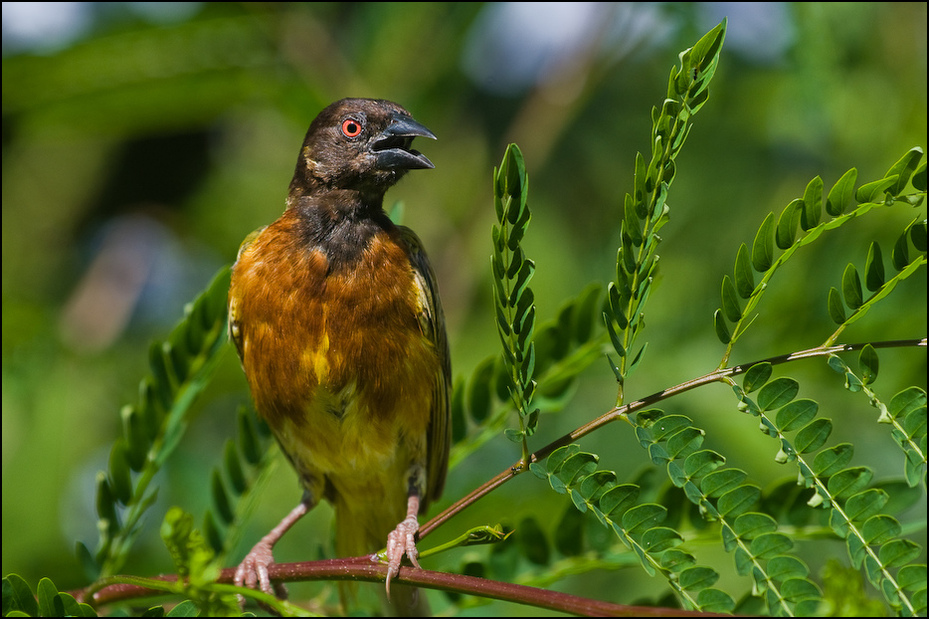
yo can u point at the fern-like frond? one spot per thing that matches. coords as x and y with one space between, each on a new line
515 301
646 209
806 212
640 526
854 508
180 369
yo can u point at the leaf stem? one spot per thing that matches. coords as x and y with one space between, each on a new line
622 412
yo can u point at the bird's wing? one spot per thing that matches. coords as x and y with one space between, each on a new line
432 323
235 333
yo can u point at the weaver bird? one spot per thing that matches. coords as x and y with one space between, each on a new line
335 315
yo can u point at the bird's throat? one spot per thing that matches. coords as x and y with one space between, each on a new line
341 226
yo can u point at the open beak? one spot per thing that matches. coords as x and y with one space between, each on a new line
392 146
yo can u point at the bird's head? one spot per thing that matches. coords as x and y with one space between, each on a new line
360 144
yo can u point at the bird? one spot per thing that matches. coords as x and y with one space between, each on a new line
335 315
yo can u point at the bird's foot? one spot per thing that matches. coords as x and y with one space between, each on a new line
401 541
253 571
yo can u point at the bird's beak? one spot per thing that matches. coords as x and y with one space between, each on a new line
392 146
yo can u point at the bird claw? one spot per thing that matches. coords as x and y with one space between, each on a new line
253 571
401 541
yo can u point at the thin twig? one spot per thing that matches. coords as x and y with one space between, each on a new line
622 412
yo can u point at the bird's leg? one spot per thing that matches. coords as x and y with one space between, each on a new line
402 540
253 570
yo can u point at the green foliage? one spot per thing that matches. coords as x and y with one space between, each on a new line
639 525
906 413
20 600
687 499
197 565
853 506
757 532
564 347
244 463
515 302
198 568
646 210
905 261
807 212
180 369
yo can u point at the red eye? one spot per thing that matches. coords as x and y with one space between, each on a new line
351 128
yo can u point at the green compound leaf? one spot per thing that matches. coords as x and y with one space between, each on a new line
722 329
840 196
850 481
865 504
697 578
756 376
514 300
643 517
785 567
813 436
645 209
738 500
721 481
777 393
702 463
796 414
869 364
880 529
903 169
830 461
874 268
751 525
744 278
812 204
730 300
851 287
836 309
763 246
899 552
786 234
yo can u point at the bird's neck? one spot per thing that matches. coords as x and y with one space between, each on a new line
340 223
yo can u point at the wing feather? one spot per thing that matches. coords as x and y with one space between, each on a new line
432 323
235 318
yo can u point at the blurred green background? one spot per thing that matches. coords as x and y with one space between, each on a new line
143 141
